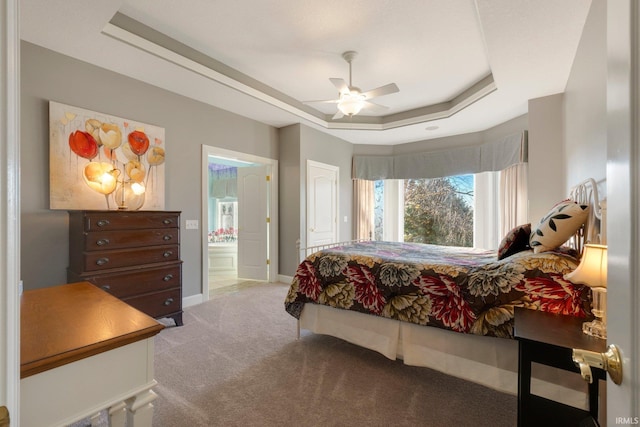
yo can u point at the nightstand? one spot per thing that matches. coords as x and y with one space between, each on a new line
549 339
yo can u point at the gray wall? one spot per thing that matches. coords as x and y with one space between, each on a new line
546 156
585 102
568 131
299 143
46 75
290 198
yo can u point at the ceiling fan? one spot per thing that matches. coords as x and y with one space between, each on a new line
352 99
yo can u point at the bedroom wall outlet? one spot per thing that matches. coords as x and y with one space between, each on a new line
191 224
346 219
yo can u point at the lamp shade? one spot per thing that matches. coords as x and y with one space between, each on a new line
351 103
592 270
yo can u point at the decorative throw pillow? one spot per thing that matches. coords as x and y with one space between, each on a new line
516 240
557 226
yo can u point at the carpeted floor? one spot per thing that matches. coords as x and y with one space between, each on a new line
236 362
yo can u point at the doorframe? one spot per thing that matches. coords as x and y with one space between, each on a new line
10 208
272 228
623 213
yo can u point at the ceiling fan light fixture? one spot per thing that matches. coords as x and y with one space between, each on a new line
351 99
351 103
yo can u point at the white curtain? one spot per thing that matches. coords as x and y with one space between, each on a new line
363 208
513 197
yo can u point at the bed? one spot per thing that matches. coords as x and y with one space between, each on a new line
451 309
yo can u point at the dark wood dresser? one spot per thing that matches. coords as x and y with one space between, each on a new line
134 255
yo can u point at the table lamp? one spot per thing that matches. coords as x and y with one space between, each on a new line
592 272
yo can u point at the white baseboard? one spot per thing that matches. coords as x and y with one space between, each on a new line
285 279
192 300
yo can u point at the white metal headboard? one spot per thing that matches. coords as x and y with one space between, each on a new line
586 193
305 252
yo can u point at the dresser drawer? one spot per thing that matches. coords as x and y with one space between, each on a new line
127 284
103 260
101 240
125 220
158 304
134 255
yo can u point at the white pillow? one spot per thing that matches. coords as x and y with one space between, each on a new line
557 226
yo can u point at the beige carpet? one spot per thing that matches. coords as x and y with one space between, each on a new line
236 362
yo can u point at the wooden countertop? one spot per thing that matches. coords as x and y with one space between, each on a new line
66 323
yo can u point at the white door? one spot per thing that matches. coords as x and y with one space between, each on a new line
623 206
322 203
9 210
253 217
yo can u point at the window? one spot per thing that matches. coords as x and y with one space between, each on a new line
439 210
453 211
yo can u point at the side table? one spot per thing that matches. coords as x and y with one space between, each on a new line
549 339
83 351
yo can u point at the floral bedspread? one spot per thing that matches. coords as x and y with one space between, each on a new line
461 289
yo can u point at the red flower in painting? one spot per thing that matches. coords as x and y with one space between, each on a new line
308 283
83 144
367 293
447 302
563 299
139 142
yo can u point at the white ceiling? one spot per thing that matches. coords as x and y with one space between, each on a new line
461 65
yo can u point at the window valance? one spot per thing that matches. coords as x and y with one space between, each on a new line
490 156
223 181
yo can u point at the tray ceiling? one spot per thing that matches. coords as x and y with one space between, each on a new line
461 66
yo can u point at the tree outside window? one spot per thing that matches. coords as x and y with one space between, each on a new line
436 211
439 211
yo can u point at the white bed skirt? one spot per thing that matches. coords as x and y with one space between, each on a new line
492 362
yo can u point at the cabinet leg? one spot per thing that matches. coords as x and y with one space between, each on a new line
178 319
524 382
593 397
94 419
118 415
140 409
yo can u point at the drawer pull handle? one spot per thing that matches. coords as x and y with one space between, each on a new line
106 287
168 301
167 254
102 242
167 237
167 221
167 277
102 261
102 222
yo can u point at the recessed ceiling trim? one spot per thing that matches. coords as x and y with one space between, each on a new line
155 43
191 65
424 114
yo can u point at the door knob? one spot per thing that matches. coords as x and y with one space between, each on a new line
609 361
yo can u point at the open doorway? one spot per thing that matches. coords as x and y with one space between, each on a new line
239 220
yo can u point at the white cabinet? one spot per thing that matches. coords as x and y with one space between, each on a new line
223 258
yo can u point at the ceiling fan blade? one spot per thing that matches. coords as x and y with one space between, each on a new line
325 101
374 107
341 85
338 115
382 90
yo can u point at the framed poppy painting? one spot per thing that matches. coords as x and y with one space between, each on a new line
103 162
